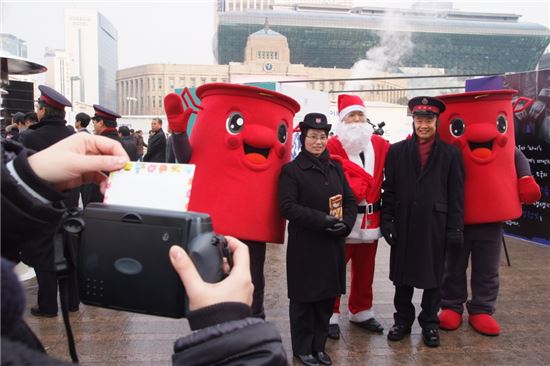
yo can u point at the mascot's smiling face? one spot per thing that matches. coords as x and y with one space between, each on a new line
479 138
243 127
260 140
481 125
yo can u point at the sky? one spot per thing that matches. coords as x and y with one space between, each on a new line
178 31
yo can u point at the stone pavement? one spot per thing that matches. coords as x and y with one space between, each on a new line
108 337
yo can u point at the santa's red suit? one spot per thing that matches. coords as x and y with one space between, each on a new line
364 171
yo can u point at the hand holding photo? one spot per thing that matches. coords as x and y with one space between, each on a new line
152 185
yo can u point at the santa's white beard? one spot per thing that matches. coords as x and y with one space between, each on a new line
353 136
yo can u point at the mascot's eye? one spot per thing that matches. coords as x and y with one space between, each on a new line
235 123
502 124
457 127
281 133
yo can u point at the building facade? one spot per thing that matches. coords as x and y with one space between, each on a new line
59 64
440 37
11 45
247 5
92 43
141 89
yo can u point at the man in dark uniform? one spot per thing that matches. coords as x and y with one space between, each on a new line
51 128
422 213
105 124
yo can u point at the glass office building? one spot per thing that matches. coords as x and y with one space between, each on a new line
459 42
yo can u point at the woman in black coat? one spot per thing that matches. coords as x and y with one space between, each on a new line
316 234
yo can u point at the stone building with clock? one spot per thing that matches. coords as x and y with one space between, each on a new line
141 89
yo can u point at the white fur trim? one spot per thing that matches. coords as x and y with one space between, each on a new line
368 152
361 316
369 158
359 235
334 319
351 108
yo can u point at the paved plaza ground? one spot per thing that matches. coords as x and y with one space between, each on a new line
108 337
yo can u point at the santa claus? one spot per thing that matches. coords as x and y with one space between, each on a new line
363 156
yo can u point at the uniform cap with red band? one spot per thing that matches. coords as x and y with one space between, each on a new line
53 98
427 106
104 113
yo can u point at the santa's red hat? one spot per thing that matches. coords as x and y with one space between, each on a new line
349 103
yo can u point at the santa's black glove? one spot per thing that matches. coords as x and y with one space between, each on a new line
455 238
389 232
339 229
330 221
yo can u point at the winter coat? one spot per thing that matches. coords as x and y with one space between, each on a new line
130 147
156 150
315 259
225 334
423 204
45 133
26 221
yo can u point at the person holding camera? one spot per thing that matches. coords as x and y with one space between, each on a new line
32 188
315 197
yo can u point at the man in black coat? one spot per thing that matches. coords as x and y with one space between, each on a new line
422 213
105 124
128 142
156 150
51 128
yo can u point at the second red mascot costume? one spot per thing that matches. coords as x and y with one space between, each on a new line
363 156
498 180
240 141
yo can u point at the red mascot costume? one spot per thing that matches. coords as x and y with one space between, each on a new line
363 156
240 141
498 180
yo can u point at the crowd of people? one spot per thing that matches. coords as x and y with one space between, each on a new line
346 189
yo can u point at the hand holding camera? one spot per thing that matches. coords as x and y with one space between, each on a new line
237 287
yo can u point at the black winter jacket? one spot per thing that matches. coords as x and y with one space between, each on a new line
156 148
423 204
315 259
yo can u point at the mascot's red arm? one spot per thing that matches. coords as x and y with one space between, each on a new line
178 119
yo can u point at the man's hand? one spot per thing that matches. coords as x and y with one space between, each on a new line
78 159
237 287
389 232
338 229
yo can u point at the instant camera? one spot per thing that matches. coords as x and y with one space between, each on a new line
123 260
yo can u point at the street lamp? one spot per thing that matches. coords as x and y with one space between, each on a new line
128 100
73 79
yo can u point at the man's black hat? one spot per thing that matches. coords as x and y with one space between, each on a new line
105 113
316 121
53 98
427 106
